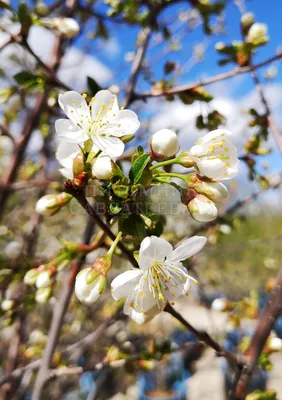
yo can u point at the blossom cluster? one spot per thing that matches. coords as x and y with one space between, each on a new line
92 138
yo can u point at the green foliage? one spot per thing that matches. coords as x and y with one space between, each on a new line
29 80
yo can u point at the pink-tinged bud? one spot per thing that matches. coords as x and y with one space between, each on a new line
202 209
164 144
50 204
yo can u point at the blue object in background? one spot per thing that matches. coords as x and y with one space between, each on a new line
170 378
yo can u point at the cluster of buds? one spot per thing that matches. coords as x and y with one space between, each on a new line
50 204
42 278
201 195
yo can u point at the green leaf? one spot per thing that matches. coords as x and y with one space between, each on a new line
29 80
120 190
138 167
93 86
115 208
133 225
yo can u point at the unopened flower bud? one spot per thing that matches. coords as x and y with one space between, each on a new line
211 188
185 159
13 249
247 21
275 344
52 203
202 209
44 279
43 294
219 46
7 305
164 144
257 34
31 276
66 26
89 292
127 138
41 9
78 164
37 337
103 168
220 304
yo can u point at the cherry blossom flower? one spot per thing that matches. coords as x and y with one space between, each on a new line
101 121
215 156
161 277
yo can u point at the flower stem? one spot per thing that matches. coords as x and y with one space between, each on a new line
175 175
163 163
114 245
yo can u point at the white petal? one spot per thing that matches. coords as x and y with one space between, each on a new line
214 169
125 283
104 103
74 106
68 130
66 172
111 146
187 249
66 153
153 249
125 123
87 293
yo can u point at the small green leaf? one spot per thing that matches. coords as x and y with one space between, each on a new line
120 190
134 226
93 86
138 167
115 208
29 80
24 18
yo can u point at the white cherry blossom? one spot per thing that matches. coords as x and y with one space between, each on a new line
215 156
101 121
161 277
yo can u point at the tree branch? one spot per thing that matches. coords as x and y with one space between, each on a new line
57 320
79 195
265 324
208 81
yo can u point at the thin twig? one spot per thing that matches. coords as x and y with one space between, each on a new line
270 120
79 195
208 81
